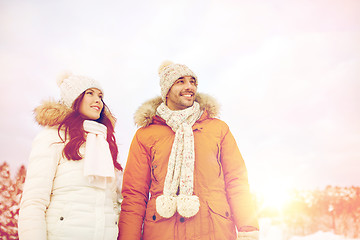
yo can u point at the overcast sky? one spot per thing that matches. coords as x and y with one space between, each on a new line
286 74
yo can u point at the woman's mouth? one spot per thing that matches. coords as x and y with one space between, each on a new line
97 108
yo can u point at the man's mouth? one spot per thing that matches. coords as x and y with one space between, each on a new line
187 94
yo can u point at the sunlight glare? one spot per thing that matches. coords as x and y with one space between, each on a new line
274 194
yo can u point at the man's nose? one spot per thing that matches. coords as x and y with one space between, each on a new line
189 85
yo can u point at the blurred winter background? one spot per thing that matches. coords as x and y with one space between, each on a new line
286 74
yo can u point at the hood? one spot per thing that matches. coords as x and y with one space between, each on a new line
52 113
147 111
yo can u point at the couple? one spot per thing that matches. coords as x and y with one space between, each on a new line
184 177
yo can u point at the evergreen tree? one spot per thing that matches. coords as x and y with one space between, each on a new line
10 195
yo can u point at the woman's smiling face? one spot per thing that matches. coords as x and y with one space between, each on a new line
91 104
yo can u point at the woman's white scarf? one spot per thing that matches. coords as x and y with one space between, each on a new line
180 171
98 162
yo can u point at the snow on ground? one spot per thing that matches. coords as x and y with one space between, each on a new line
269 231
322 236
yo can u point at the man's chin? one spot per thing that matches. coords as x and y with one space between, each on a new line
189 103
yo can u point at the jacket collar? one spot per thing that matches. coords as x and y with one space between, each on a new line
146 113
52 113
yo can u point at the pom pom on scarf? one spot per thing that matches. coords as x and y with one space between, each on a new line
187 206
166 206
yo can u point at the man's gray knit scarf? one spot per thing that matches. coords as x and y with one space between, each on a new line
180 171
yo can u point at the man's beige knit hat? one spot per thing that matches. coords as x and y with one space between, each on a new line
169 72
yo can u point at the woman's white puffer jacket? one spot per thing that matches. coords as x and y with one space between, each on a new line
58 202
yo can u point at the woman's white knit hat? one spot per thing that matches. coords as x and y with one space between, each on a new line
71 86
169 72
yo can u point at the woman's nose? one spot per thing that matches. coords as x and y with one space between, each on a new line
97 99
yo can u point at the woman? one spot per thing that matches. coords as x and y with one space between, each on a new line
70 189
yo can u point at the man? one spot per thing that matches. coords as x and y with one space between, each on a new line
185 177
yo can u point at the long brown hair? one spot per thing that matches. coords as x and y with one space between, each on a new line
73 128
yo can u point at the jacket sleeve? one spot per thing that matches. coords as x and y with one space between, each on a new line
135 191
41 170
236 181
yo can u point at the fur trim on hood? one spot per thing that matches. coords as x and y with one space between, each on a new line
146 112
52 113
